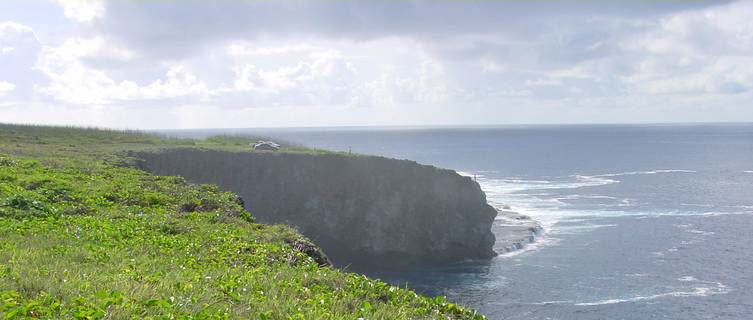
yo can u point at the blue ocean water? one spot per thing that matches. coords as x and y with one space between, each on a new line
641 221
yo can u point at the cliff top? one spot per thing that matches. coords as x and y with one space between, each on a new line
76 143
86 236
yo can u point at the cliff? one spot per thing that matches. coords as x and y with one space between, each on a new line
364 211
83 234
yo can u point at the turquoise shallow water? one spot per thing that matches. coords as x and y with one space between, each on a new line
642 222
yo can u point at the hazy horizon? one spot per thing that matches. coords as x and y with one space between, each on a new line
400 127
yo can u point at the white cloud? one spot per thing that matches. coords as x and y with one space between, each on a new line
300 75
82 10
317 65
381 63
543 82
72 81
10 30
14 35
696 52
6 87
723 75
18 49
247 48
489 65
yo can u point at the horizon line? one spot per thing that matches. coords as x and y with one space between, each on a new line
400 126
461 126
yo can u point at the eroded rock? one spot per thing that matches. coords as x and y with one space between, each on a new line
365 212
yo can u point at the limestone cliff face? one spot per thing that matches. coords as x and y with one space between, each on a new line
365 212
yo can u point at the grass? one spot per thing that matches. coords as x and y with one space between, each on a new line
84 145
85 236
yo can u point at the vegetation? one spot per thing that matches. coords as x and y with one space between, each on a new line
92 144
85 236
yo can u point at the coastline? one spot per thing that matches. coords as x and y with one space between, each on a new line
86 224
514 231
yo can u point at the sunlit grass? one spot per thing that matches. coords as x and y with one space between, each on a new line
85 236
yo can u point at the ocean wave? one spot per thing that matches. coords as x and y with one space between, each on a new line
636 275
701 232
748 171
688 227
579 196
723 213
631 173
700 291
626 203
525 197
706 288
687 279
590 181
544 303
512 185
580 228
702 205
541 241
558 217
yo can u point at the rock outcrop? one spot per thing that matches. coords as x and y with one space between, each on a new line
365 212
514 231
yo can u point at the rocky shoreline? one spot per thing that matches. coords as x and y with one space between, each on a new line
365 212
514 231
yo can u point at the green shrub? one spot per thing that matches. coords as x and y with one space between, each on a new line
84 237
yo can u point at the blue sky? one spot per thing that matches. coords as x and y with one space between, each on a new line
230 63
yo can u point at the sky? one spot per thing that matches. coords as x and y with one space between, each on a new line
298 63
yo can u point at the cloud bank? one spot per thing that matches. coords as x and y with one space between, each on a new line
165 64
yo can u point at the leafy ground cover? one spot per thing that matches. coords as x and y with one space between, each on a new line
85 236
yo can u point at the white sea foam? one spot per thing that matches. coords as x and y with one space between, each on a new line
560 230
701 232
541 241
626 203
726 207
688 227
510 185
702 291
543 303
579 196
716 213
631 173
748 171
520 194
636 275
535 198
525 196
702 205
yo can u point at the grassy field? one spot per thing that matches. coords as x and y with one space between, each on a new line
85 236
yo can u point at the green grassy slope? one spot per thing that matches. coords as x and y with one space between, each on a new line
84 236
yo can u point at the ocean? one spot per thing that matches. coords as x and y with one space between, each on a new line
640 221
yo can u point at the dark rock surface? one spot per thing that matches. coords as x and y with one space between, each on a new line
365 212
312 251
